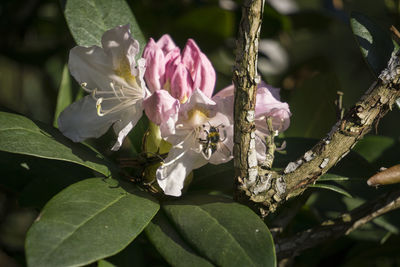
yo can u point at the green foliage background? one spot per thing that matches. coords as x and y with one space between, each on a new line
323 57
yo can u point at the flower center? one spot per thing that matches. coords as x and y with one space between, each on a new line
197 116
124 71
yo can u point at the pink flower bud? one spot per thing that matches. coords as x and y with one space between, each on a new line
157 55
200 68
178 74
161 106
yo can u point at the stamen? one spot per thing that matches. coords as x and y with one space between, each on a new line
163 164
98 107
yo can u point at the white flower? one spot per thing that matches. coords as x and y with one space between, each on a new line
115 82
202 134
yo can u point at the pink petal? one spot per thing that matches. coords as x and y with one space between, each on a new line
199 67
166 44
155 62
160 107
181 83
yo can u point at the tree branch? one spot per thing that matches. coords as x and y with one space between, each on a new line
272 189
344 224
245 79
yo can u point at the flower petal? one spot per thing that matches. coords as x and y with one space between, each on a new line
127 120
80 120
92 66
161 106
179 163
181 83
119 44
166 44
268 106
155 62
200 68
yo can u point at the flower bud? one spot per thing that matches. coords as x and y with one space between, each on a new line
160 107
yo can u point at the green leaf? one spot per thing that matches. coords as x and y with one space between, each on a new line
88 221
375 44
170 245
318 92
223 231
331 187
20 135
373 147
136 135
214 178
104 263
89 19
332 177
65 95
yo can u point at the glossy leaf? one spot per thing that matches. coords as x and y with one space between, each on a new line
136 135
214 178
88 221
89 19
223 231
375 44
373 147
331 187
65 95
170 245
20 135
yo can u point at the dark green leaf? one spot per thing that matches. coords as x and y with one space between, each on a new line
318 92
104 263
331 187
373 147
225 232
65 95
89 19
170 245
20 135
375 44
88 221
136 135
214 178
134 254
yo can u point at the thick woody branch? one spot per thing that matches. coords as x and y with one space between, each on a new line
273 188
344 224
245 79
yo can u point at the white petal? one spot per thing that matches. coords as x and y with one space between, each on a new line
224 153
179 163
197 99
118 43
80 121
92 66
127 121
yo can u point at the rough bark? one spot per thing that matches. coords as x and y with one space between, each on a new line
245 79
272 188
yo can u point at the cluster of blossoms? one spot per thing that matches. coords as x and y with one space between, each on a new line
174 89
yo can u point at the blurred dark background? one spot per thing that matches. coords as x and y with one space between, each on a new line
307 49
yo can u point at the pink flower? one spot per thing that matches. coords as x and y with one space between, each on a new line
268 104
177 73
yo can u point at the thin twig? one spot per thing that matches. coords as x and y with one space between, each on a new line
343 225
